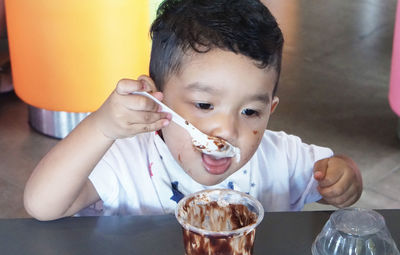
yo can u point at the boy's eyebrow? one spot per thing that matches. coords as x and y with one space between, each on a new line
201 88
263 98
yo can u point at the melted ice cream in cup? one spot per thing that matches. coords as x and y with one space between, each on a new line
210 145
219 221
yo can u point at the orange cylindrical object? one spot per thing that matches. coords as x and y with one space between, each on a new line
69 55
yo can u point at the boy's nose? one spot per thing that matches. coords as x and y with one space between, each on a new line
224 126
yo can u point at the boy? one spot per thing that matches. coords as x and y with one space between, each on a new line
217 64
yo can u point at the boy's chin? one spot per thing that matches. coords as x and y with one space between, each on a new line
209 179
210 182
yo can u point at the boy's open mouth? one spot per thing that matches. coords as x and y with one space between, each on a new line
214 165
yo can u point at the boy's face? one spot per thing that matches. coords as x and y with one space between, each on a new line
224 95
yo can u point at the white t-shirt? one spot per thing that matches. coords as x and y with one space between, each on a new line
139 175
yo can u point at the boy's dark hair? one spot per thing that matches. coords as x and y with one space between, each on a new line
242 26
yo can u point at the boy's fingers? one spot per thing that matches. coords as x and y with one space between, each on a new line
127 86
143 117
141 103
332 176
344 199
341 187
351 200
328 172
155 126
320 168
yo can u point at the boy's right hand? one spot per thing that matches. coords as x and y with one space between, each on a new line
124 114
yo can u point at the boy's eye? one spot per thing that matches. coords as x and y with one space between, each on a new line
249 112
204 106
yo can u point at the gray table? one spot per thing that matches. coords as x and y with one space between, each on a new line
282 233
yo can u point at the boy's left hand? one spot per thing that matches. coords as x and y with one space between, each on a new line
339 181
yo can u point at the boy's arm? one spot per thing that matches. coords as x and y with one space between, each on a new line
59 185
339 181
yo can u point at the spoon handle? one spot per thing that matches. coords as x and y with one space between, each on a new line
175 117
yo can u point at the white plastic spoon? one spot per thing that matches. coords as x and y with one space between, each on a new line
214 146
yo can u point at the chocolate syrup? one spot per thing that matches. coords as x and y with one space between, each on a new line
218 142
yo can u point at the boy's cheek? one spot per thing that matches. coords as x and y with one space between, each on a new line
249 143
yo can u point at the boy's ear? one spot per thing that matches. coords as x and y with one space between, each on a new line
274 104
148 83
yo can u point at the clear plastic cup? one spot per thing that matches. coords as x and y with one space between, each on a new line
355 231
219 221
